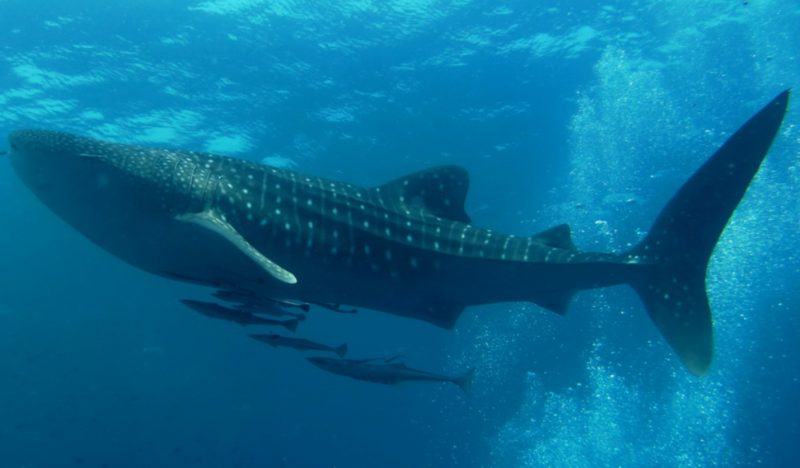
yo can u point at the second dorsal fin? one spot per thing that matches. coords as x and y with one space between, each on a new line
440 191
559 237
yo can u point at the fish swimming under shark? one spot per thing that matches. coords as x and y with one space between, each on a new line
244 298
299 343
406 247
386 372
241 317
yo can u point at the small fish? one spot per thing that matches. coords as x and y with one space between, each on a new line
251 299
270 309
336 308
210 309
388 373
299 343
381 359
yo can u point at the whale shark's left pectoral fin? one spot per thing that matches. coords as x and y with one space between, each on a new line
213 222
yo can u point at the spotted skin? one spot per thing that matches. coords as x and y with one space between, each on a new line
335 238
406 247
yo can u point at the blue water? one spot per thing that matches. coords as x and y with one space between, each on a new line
581 113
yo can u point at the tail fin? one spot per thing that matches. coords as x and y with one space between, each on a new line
341 350
680 243
464 381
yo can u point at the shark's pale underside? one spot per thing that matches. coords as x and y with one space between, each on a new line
406 247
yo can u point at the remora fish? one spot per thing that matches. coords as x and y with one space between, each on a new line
251 304
389 373
299 343
336 308
252 299
406 247
210 309
273 310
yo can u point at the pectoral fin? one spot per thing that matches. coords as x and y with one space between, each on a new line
213 222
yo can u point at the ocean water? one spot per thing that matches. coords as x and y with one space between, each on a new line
580 112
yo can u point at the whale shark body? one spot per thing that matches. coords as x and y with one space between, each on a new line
406 247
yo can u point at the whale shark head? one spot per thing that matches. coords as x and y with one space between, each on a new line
124 198
104 190
49 162
73 174
70 174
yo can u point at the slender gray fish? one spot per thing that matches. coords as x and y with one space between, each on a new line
210 309
270 309
388 373
378 359
299 343
336 308
251 299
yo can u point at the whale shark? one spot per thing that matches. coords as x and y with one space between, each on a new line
406 247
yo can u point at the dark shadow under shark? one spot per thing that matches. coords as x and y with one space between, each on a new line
406 247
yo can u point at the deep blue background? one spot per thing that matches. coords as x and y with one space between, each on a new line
581 113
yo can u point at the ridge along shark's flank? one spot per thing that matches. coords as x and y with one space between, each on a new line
406 247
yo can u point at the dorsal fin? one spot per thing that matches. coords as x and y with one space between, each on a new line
440 191
559 237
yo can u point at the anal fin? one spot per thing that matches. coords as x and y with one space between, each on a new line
213 222
557 302
443 315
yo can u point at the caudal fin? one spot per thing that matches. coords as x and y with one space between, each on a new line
464 381
677 249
